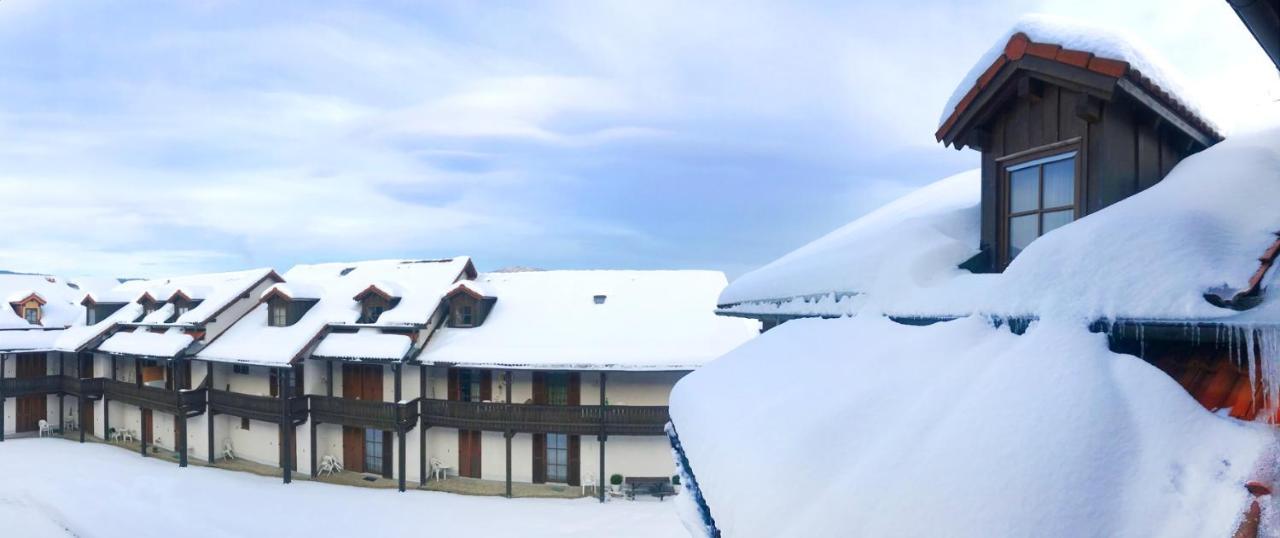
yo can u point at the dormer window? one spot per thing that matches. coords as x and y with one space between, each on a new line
90 316
1041 197
370 312
32 315
278 314
29 308
599 299
465 316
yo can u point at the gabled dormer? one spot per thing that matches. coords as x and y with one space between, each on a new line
95 310
182 303
1065 132
29 306
468 305
149 303
286 305
376 299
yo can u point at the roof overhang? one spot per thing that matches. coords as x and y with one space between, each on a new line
1262 18
1092 76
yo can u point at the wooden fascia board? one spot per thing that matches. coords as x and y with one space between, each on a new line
1166 113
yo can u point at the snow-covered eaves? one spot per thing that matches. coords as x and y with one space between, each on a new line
915 240
28 340
648 320
80 337
1123 61
141 342
365 344
59 298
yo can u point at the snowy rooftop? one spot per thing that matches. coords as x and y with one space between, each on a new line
420 283
143 342
1104 43
944 417
922 236
648 320
61 298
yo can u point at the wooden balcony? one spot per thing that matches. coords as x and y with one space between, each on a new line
186 402
364 413
570 419
51 384
264 408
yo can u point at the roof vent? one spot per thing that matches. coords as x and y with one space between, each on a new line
346 271
73 285
599 299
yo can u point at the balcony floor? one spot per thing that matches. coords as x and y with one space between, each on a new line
473 486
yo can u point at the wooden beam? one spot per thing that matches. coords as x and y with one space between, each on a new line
328 379
283 378
209 416
400 438
1088 108
1201 137
80 404
62 413
181 433
422 426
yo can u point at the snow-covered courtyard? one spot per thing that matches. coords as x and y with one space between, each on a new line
57 488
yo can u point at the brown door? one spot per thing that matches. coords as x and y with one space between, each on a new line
557 457
146 427
360 382
86 416
353 449
469 453
31 409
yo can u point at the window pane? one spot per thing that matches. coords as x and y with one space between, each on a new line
1060 183
1056 219
1022 231
1024 190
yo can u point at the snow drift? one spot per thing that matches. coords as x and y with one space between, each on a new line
956 429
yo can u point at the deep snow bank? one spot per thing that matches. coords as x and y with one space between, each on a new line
864 427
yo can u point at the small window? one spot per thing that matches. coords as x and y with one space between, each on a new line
91 315
184 308
241 369
371 312
1041 198
244 424
599 299
279 315
467 319
32 315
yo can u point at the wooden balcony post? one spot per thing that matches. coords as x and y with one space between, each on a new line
209 417
286 461
2 361
400 438
506 378
80 404
62 396
137 372
314 472
181 433
603 413
142 431
422 425
328 378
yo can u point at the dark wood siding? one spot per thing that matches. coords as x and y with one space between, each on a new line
1126 150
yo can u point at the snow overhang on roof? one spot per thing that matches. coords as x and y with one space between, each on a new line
26 296
1101 61
385 290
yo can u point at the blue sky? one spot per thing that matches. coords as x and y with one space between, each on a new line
145 138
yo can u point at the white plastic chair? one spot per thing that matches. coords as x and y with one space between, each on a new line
45 428
438 470
127 435
227 451
329 465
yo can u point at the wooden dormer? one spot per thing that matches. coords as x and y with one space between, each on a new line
374 300
1064 133
182 303
468 306
283 309
30 308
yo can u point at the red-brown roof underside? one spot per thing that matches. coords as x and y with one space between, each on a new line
1020 45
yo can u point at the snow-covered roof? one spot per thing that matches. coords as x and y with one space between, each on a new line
143 342
649 320
60 308
1102 43
984 432
421 284
367 343
920 237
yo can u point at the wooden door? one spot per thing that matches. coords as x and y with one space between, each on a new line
31 409
86 416
469 453
147 432
353 449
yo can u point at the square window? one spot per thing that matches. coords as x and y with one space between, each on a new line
244 424
1041 196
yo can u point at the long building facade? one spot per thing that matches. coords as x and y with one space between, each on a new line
405 369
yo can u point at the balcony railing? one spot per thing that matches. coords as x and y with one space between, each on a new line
51 384
363 413
188 402
570 419
265 408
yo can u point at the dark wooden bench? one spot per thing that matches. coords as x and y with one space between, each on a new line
658 486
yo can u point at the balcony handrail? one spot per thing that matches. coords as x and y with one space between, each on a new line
373 413
540 418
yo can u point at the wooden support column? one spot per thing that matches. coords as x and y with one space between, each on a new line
80 401
2 361
283 379
62 412
506 378
209 416
315 473
603 437
422 425
400 436
181 432
106 409
328 379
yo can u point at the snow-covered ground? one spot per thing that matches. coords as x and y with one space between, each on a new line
58 488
